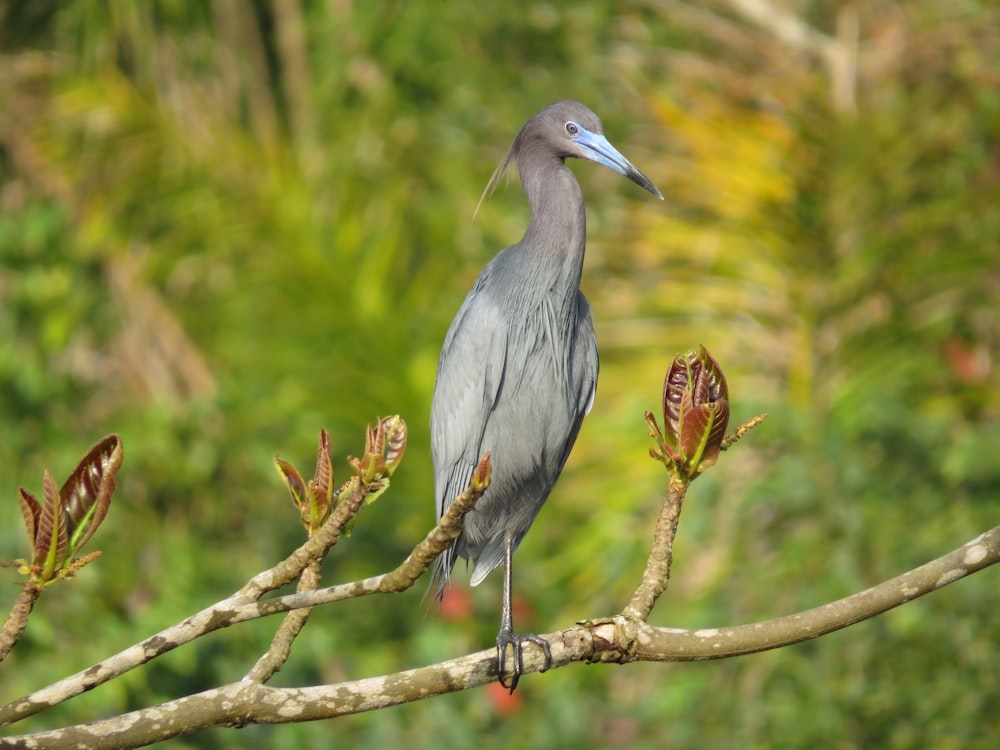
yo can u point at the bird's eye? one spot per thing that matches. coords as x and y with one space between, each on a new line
572 128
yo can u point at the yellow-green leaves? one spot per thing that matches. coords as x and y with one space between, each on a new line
384 447
59 526
315 498
385 444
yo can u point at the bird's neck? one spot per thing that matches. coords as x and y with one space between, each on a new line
556 238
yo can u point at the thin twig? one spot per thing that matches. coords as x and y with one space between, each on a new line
281 645
657 574
17 620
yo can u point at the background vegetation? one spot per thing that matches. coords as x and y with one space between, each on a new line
227 224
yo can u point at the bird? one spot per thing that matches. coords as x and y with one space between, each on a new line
518 368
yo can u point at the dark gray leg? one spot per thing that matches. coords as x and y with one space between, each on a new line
506 637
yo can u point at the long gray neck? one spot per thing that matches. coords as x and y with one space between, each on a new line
555 242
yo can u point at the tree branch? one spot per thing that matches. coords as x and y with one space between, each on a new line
243 605
281 645
17 620
619 639
656 577
668 644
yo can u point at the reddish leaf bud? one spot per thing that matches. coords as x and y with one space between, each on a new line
695 409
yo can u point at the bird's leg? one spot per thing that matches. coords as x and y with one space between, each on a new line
506 636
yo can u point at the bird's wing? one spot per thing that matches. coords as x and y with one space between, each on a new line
583 368
587 363
470 374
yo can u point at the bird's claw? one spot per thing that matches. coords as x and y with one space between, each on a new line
516 643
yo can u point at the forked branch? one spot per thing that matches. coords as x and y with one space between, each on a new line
618 639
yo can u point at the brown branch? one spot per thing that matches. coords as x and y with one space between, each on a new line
400 579
244 605
667 644
281 645
218 616
395 581
349 504
619 639
656 577
17 620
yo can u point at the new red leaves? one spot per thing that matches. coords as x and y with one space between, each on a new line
60 526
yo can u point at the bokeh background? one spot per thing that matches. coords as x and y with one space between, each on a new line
228 224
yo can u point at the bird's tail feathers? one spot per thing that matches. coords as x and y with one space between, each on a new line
440 575
488 558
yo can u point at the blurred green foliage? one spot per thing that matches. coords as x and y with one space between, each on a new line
225 225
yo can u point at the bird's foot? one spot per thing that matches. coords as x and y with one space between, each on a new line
516 643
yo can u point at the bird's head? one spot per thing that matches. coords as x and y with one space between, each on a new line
568 129
573 130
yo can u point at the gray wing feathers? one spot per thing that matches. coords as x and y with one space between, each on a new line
469 377
493 396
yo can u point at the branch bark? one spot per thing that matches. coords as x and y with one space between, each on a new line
656 577
617 639
244 605
17 620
